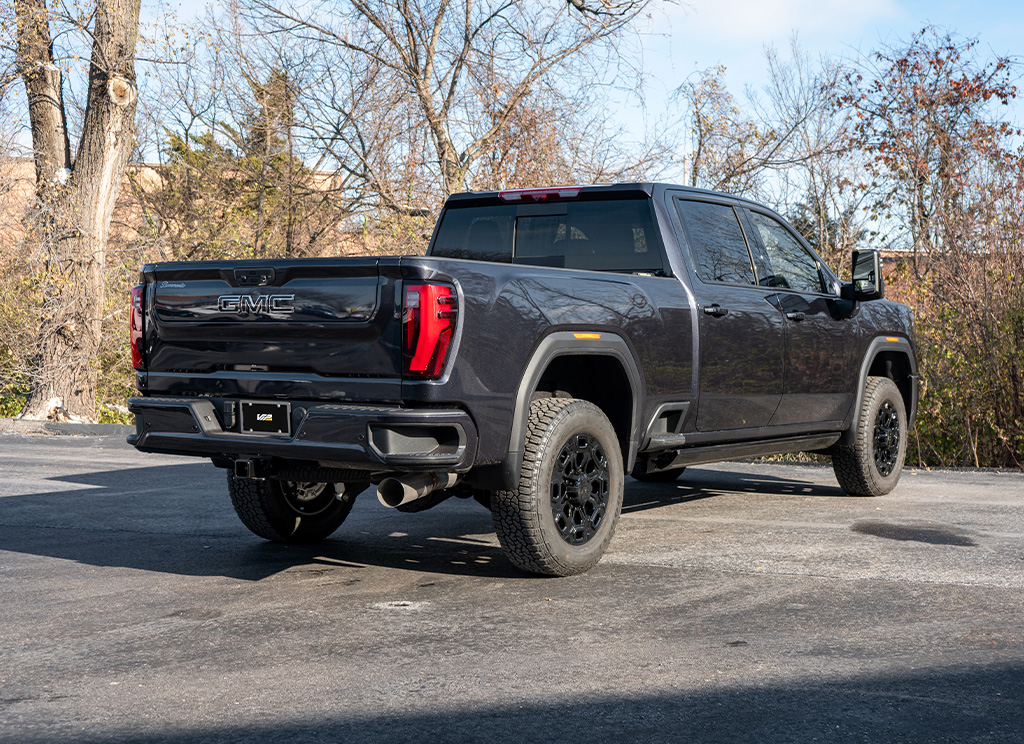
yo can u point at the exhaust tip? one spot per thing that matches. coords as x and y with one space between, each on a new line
392 492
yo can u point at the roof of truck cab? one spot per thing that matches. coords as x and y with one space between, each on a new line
607 190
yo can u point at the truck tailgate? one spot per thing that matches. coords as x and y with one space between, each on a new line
298 327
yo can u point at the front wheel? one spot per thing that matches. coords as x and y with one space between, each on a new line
562 517
873 464
291 511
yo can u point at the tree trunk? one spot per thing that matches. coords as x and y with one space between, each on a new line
73 220
42 80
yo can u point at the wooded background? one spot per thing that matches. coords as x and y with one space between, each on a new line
290 129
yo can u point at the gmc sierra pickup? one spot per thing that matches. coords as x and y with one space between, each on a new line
550 342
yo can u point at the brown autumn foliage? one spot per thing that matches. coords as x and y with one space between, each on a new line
942 167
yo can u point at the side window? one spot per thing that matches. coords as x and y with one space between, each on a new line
792 266
716 242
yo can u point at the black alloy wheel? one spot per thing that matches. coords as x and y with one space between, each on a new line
886 438
308 499
292 511
562 516
580 486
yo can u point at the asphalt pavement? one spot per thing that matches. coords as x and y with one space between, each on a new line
746 602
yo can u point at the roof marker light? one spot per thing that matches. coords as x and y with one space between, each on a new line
539 195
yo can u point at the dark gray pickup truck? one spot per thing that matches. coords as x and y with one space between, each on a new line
551 341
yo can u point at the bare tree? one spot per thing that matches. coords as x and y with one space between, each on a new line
786 145
440 56
75 192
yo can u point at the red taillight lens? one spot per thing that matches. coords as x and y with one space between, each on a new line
428 322
136 328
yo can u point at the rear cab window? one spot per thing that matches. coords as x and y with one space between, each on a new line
618 235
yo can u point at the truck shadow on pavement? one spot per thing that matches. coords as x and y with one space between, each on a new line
177 519
952 705
702 483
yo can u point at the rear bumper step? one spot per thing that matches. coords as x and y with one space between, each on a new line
347 436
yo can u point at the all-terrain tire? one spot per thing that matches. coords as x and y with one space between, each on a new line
291 511
562 517
873 464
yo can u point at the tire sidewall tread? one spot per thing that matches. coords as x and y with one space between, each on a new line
854 465
261 507
523 518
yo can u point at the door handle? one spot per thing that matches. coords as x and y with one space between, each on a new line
717 310
797 316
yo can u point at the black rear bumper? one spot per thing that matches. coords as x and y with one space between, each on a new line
361 437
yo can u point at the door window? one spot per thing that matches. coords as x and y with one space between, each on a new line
792 265
716 240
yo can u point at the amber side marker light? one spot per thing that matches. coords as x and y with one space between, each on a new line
894 339
587 335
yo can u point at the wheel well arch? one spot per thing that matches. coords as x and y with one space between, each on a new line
601 370
897 367
886 357
598 378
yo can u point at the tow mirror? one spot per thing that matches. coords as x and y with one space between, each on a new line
868 283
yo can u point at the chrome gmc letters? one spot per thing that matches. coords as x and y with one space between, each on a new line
256 304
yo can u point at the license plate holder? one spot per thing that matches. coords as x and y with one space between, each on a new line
261 417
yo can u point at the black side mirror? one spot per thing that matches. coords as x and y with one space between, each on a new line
868 283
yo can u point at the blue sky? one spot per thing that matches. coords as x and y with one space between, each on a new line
697 34
689 35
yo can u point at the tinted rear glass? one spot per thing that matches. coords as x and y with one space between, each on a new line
483 233
613 235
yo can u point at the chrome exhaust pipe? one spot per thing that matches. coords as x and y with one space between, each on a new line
393 492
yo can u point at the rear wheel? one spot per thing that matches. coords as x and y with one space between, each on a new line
873 464
562 517
291 511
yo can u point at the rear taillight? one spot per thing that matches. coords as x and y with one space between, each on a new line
136 329
429 314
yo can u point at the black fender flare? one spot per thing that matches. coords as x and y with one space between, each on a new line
569 343
878 345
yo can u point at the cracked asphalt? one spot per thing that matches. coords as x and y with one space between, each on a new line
747 602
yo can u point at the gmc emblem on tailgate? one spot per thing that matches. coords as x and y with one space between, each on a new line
256 304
